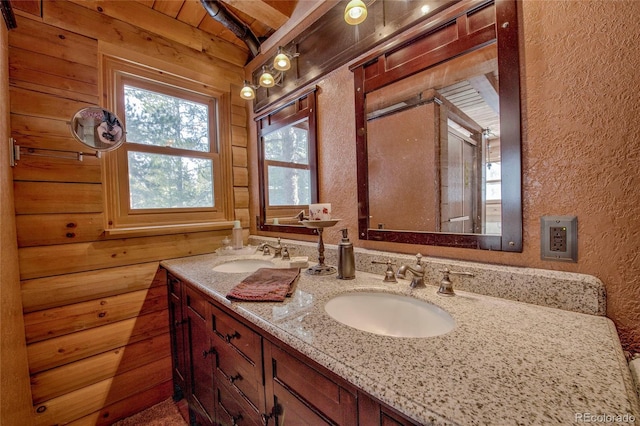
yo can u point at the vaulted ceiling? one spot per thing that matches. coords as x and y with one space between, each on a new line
263 17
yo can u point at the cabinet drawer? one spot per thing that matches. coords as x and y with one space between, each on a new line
240 373
197 303
232 409
236 334
310 388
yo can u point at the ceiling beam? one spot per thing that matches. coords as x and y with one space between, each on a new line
260 11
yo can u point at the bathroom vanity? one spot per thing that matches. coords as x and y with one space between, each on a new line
504 362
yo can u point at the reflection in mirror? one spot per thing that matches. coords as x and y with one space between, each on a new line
98 129
438 132
450 152
287 149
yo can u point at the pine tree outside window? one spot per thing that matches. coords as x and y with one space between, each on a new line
169 170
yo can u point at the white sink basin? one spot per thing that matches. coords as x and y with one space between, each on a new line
389 314
243 265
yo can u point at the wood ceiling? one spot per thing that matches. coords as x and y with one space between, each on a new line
263 17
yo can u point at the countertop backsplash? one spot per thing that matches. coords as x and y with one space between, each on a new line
556 289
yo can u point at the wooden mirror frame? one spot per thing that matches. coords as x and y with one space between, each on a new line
461 28
294 108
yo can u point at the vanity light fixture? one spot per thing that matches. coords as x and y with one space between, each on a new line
271 75
355 12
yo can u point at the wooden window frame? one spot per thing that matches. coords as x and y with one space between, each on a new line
120 218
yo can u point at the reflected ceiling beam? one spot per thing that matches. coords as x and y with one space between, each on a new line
487 89
261 11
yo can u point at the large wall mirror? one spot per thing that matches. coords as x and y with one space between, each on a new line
287 164
438 119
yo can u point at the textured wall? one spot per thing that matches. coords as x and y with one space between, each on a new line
581 147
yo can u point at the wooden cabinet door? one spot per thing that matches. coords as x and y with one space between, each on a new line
179 348
202 356
298 393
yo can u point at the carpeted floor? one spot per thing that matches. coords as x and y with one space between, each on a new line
165 413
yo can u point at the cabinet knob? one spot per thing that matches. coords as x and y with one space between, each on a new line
236 419
205 354
234 378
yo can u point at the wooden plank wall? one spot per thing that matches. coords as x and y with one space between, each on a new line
95 310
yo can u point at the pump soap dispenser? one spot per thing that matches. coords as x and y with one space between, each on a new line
346 260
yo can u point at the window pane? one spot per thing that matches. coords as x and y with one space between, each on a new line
289 187
166 181
494 190
157 119
289 144
494 171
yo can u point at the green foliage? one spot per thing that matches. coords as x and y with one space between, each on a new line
288 184
165 180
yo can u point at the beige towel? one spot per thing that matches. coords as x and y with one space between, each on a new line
266 285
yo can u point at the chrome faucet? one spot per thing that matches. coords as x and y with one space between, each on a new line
277 249
418 272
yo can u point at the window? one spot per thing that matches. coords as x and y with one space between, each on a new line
169 171
288 169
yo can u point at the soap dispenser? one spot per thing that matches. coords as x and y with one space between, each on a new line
346 260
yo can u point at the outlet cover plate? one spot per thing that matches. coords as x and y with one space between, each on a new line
559 238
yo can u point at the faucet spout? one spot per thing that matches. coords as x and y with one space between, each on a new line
417 271
277 248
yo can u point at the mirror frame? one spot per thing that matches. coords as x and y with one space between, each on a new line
460 29
304 107
95 112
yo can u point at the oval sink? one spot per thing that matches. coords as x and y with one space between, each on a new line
243 265
390 314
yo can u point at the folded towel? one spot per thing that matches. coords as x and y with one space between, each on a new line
266 285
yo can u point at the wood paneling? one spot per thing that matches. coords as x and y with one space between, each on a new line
126 407
45 261
60 290
239 156
95 305
15 393
92 398
68 319
32 167
85 21
49 197
76 375
73 347
48 229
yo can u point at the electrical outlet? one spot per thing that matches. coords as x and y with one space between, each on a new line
558 235
559 238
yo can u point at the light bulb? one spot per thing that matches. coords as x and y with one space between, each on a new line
281 62
266 79
247 92
355 12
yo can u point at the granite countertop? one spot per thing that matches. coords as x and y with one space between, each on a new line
505 362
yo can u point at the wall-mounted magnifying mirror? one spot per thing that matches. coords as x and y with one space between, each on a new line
98 129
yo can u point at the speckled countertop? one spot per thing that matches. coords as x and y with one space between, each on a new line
505 362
